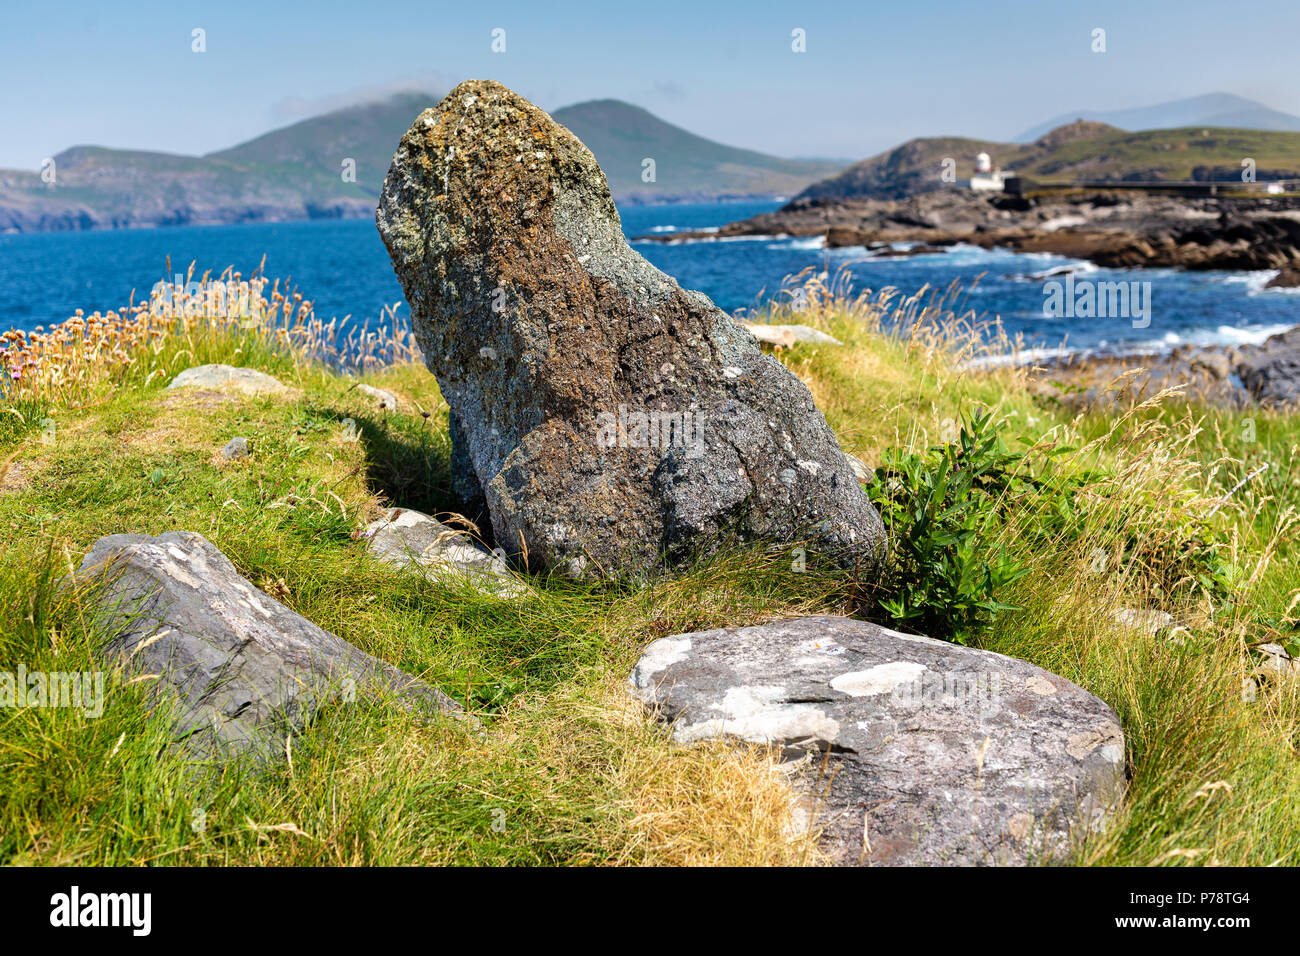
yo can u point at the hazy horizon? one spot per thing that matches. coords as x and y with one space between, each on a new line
867 79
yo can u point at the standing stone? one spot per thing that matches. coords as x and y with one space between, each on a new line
610 420
932 753
247 670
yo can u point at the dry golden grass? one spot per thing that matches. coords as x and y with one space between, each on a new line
71 360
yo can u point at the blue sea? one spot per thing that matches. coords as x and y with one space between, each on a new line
343 268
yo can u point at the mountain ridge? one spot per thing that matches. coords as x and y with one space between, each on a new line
333 166
1209 109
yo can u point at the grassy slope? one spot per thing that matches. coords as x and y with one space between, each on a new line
1105 153
579 775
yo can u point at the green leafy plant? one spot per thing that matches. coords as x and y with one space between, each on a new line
939 508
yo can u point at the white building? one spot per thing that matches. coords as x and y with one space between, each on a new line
986 178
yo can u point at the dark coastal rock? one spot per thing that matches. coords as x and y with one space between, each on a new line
248 671
1080 381
1272 371
1111 228
1288 277
611 420
938 754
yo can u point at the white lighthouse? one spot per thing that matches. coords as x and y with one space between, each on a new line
986 178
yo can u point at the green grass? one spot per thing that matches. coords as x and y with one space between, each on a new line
1215 777
568 771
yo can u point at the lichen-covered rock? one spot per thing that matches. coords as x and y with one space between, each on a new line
248 671
610 420
404 538
938 754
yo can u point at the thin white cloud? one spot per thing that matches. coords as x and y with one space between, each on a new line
294 108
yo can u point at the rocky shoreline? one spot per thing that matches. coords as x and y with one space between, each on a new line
1118 228
1236 376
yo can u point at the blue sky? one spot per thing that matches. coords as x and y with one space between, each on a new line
874 74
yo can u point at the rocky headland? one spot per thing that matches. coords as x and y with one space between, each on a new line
1119 228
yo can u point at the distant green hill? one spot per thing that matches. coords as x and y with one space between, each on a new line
623 136
1077 151
367 134
296 172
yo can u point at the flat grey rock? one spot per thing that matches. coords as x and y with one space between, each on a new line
404 539
383 399
248 671
248 380
1151 622
612 423
941 754
785 336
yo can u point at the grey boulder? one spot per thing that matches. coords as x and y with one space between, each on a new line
403 538
1277 660
937 754
1271 371
247 670
611 421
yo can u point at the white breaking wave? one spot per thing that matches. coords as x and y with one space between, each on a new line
1223 335
810 242
1019 357
1256 281
1235 335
